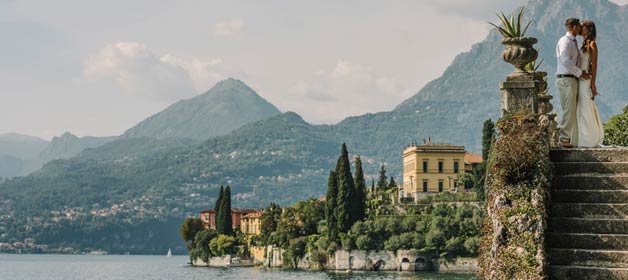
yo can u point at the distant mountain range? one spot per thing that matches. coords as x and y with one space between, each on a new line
227 106
171 164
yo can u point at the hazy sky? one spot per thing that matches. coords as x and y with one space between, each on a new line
99 67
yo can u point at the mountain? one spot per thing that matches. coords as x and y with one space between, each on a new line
453 107
21 146
127 181
65 146
281 158
224 108
69 145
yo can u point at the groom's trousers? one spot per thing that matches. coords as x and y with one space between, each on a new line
568 94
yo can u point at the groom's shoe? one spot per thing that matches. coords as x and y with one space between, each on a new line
565 144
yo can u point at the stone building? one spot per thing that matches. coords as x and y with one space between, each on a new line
433 168
251 224
237 214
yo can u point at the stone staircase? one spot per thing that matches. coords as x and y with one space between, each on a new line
587 234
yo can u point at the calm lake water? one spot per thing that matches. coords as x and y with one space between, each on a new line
70 267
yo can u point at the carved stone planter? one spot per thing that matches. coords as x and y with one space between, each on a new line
519 52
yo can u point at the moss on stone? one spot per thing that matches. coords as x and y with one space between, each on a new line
518 176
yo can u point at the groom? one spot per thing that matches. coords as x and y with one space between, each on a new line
567 74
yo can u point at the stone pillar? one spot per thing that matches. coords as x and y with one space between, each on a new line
529 91
520 92
548 117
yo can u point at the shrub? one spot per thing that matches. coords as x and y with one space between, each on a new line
616 130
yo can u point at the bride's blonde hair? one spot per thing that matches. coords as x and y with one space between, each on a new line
591 34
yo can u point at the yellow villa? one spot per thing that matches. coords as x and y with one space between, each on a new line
250 223
432 168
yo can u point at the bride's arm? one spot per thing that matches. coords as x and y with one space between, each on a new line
593 69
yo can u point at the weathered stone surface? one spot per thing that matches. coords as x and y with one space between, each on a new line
568 168
591 182
588 225
590 155
588 241
591 225
590 196
588 273
595 258
590 210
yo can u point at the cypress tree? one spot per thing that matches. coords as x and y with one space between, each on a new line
218 217
346 192
372 185
488 136
226 212
360 191
331 205
392 185
382 183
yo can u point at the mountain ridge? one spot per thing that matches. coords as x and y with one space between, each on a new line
189 118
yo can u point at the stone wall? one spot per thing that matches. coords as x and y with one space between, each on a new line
459 265
359 260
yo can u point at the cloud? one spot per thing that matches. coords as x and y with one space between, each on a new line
477 9
346 90
229 27
138 70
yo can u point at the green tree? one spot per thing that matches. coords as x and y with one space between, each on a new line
190 227
222 245
226 212
360 192
219 220
382 182
268 223
331 205
346 191
488 137
201 241
616 130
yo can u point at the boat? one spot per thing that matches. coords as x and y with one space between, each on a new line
169 253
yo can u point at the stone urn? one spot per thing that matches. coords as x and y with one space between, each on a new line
519 52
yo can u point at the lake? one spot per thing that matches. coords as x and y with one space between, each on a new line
79 267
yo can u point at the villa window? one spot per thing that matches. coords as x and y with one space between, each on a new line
440 166
424 185
440 186
425 166
456 166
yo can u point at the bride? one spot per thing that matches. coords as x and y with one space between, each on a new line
590 129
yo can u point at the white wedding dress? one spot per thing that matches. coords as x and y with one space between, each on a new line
590 128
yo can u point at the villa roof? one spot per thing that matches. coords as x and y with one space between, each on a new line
472 158
233 210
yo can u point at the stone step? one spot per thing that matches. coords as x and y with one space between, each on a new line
590 155
589 210
592 181
589 196
559 272
587 225
596 258
591 241
569 168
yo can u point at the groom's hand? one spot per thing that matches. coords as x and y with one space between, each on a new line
585 76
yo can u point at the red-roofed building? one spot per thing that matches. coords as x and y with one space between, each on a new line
471 160
209 217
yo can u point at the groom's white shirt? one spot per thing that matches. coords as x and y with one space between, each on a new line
567 53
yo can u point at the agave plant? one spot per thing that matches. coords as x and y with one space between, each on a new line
533 66
511 27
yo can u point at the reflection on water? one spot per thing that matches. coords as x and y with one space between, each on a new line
70 267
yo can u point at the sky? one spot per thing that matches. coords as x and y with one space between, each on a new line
99 67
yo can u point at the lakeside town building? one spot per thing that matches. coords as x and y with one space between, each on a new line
245 219
432 168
